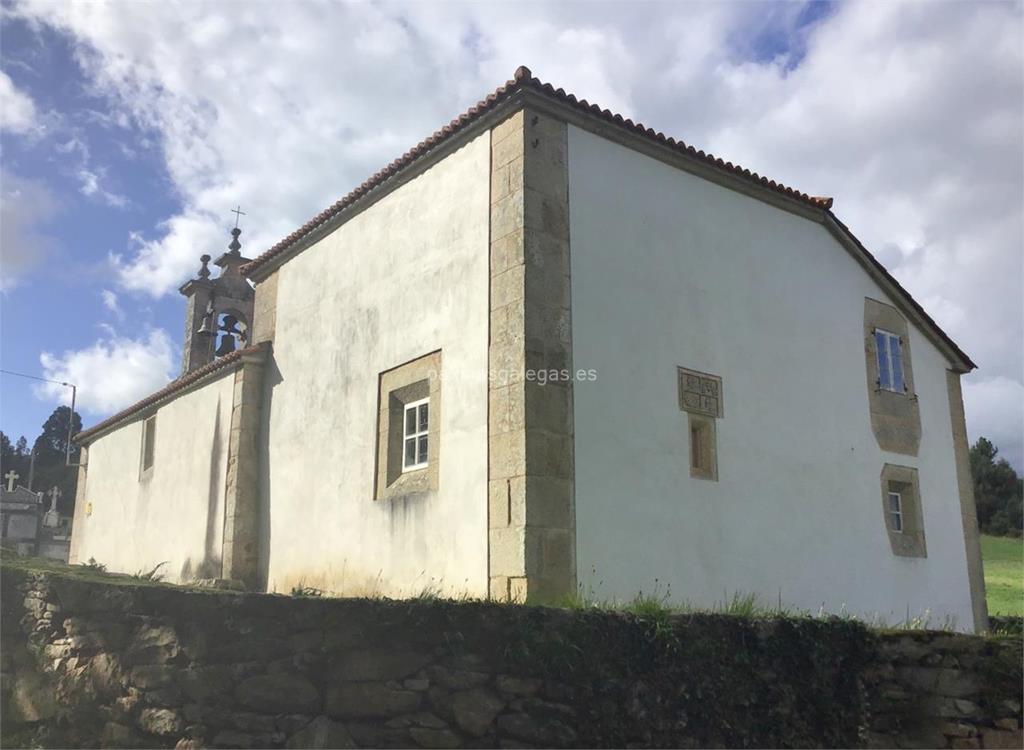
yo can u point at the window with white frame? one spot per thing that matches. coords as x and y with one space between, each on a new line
889 350
896 512
414 434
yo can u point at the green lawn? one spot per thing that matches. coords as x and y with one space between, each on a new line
1004 574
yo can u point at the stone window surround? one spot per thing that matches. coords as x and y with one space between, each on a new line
701 397
413 381
910 541
895 415
703 454
148 435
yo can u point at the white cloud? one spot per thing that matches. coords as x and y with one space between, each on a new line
272 125
158 265
74 144
909 114
90 186
17 110
90 183
110 302
111 374
995 410
25 208
912 120
92 180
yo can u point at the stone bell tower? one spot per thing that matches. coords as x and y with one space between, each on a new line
218 319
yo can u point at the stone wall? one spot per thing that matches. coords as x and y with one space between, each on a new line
945 690
125 664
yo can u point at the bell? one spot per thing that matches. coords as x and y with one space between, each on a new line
205 329
227 345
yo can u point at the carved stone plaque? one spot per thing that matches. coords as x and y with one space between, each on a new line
700 393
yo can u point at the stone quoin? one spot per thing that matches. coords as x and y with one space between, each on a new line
551 352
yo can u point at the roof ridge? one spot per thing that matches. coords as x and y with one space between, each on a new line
176 385
678 145
523 78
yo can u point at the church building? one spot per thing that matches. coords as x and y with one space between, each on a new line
551 352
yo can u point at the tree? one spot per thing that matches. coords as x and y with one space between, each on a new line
50 461
998 491
54 439
50 468
10 459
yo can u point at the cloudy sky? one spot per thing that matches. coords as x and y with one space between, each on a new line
130 129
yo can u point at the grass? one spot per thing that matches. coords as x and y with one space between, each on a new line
659 605
94 571
1004 583
1004 574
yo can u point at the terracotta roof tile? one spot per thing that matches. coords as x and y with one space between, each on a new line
523 79
170 389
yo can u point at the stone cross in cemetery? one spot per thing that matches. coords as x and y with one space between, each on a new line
51 517
11 477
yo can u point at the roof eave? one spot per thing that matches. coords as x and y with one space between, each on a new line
678 155
173 390
391 179
524 90
536 98
910 307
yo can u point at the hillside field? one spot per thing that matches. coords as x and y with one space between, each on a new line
1004 574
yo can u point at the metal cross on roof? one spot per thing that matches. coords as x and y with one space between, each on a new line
238 212
11 477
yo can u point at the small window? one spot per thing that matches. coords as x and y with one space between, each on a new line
889 349
901 508
148 443
703 459
409 411
896 512
698 449
415 435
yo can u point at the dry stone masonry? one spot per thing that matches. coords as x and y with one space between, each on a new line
946 690
99 663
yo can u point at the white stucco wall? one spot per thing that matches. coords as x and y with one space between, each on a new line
669 269
176 513
406 277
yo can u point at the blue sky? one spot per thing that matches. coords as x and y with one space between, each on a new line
130 130
99 181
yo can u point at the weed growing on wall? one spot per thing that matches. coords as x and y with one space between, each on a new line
150 575
302 590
